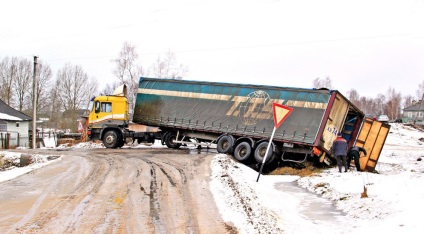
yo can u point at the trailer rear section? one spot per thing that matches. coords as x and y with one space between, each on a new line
239 118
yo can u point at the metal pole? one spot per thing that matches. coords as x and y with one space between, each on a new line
34 104
266 153
419 109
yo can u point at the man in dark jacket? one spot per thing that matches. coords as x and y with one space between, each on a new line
339 149
354 153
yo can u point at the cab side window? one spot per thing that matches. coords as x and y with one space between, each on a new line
106 107
97 107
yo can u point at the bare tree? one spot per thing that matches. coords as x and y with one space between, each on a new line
380 102
44 87
8 70
420 91
73 90
44 81
167 67
354 97
369 106
392 105
22 82
408 99
127 71
126 63
109 88
55 111
319 83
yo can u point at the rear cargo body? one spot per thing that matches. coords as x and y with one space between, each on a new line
246 111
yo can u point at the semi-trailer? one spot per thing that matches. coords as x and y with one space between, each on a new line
239 119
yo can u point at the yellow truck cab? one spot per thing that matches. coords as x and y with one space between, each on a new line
108 110
108 120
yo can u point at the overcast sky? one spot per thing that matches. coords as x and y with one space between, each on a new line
368 45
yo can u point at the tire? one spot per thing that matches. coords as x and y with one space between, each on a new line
225 145
169 141
242 152
163 138
260 153
110 139
121 143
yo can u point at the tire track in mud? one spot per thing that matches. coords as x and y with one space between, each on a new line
57 206
124 191
31 220
92 185
121 213
177 178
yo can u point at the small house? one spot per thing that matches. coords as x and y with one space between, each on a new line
414 112
14 127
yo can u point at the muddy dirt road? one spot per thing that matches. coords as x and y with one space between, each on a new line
114 191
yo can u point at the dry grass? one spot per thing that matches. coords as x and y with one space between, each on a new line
307 171
364 194
67 141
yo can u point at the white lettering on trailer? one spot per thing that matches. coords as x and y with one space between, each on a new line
250 109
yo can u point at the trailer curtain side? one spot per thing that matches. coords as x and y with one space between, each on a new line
237 109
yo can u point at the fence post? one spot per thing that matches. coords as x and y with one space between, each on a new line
7 140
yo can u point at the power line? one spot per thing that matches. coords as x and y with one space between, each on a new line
244 47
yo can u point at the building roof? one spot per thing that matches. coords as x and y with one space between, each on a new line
415 107
8 113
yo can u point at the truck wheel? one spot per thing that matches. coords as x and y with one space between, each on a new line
242 152
225 145
110 139
169 141
260 153
121 143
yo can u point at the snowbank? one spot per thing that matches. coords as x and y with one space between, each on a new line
11 168
394 199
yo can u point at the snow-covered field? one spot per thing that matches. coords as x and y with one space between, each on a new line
394 203
328 202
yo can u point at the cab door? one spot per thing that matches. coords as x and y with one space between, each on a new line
372 137
101 113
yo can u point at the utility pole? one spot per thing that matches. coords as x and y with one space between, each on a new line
34 105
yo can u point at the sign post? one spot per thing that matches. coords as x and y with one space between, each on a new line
281 112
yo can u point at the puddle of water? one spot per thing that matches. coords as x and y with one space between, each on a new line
313 207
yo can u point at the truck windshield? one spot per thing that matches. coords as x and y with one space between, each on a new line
90 106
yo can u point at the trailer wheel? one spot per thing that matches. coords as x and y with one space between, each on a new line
110 139
243 151
260 153
169 141
225 145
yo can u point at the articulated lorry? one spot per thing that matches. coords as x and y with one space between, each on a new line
238 118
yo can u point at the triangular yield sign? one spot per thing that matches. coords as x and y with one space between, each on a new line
281 112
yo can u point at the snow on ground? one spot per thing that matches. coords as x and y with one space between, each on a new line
11 162
394 202
328 202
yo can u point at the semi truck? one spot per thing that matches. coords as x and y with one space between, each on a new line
238 119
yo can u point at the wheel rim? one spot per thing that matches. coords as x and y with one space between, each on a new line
225 144
171 140
243 151
110 139
261 151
